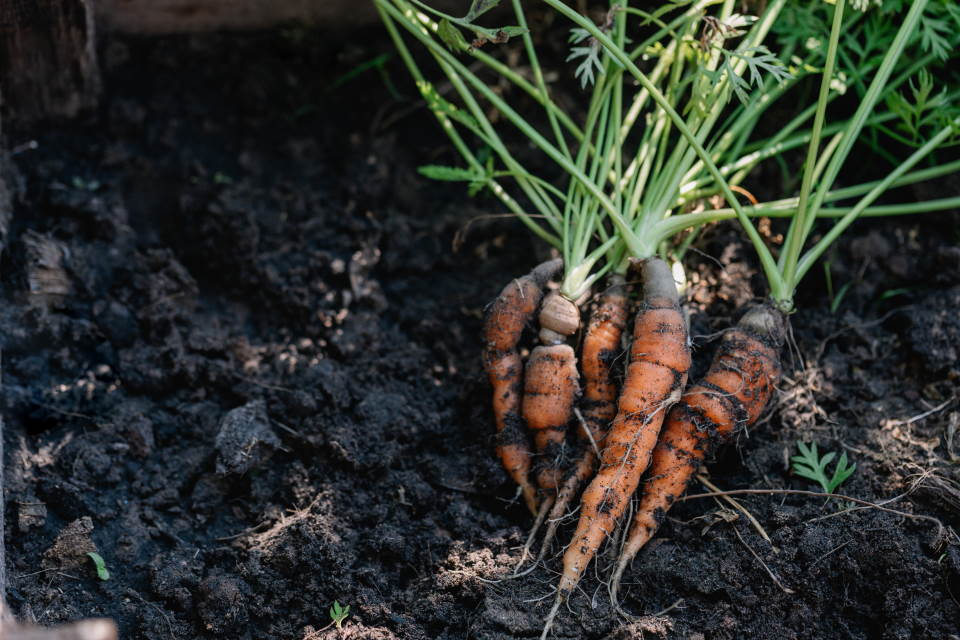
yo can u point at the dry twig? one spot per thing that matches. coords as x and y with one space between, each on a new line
819 494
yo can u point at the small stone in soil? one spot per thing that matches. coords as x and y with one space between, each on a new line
31 514
245 439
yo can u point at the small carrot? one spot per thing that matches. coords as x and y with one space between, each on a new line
506 318
601 346
551 387
731 396
656 375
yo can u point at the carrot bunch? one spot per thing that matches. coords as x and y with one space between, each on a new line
542 396
652 424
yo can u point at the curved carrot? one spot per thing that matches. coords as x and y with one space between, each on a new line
731 396
601 346
503 326
656 375
551 387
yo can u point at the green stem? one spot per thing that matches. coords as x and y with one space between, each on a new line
904 34
533 189
790 204
676 224
795 236
532 134
650 244
458 142
538 75
542 98
817 250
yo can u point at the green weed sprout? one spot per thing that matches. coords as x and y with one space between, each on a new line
339 613
99 565
809 464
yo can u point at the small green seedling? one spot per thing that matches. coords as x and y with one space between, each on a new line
100 565
339 613
810 465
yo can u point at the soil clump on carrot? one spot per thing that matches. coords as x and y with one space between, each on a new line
234 231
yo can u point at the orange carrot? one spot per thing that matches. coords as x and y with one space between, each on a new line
601 346
506 318
731 396
656 375
551 387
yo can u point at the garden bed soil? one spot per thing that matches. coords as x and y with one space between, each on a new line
241 363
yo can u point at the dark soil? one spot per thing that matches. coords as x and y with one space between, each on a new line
241 361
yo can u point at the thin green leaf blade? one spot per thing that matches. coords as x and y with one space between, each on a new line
451 36
450 174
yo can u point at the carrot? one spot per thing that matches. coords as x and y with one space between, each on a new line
601 346
731 396
551 387
656 375
507 316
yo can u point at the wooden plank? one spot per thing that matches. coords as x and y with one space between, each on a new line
48 63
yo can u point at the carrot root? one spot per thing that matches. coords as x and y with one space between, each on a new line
582 471
554 610
656 375
559 315
506 318
732 395
551 387
601 347
545 507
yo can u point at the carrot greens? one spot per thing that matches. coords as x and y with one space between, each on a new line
811 465
640 136
673 101
829 145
